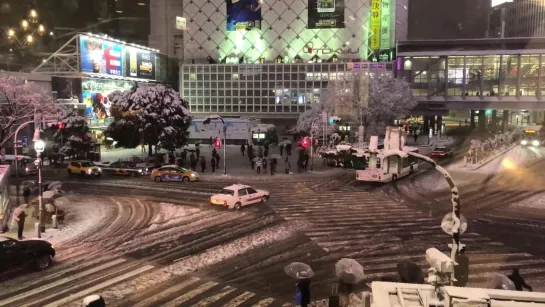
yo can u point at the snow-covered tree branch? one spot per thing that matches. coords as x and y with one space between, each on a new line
20 101
362 98
149 115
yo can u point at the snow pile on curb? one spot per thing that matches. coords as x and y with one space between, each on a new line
81 215
205 259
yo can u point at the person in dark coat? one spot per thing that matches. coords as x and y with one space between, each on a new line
250 153
217 160
26 194
193 161
265 165
519 281
273 165
203 164
214 152
266 152
184 157
211 142
197 151
409 272
213 164
307 157
303 292
242 149
281 148
288 149
287 165
461 271
19 217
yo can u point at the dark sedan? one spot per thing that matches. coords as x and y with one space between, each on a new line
125 168
441 152
18 254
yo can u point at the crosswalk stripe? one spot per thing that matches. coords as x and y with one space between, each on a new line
237 301
181 299
178 287
264 302
60 282
95 288
209 300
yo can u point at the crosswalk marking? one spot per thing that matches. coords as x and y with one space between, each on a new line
60 282
150 301
95 288
237 301
209 300
264 302
183 298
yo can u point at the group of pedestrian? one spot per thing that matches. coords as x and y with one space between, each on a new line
286 147
214 162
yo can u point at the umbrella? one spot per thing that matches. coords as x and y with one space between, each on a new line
349 271
62 202
275 156
48 194
299 270
298 148
500 282
31 184
55 185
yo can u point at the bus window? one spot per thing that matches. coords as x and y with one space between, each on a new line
406 162
412 160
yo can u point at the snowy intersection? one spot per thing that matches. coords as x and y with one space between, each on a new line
165 245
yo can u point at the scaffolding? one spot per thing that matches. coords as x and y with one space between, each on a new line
63 62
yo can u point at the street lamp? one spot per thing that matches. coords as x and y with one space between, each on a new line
39 146
207 121
25 34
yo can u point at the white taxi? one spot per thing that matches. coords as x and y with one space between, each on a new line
237 196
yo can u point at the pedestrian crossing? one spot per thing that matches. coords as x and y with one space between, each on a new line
155 265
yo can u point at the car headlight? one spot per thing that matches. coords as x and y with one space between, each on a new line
192 175
26 169
535 143
100 169
88 171
524 142
141 171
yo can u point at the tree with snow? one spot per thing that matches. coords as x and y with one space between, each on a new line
373 100
20 102
153 115
75 138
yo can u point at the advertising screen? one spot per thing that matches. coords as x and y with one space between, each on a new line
100 56
243 15
95 95
140 63
325 14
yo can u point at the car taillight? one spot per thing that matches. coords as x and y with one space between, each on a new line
357 175
442 154
225 203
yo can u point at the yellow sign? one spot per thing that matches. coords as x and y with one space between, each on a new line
375 24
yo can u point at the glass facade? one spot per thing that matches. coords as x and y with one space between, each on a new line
276 89
482 75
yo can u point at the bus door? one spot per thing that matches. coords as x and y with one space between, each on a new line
393 165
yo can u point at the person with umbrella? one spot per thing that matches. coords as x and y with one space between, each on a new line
302 273
19 217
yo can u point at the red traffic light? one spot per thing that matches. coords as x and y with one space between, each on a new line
305 142
217 143
61 126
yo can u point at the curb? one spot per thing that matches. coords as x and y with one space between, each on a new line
494 157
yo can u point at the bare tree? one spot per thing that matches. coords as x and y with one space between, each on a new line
20 101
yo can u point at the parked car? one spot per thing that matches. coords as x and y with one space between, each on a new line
18 254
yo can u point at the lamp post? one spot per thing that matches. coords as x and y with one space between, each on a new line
207 121
39 146
312 143
29 26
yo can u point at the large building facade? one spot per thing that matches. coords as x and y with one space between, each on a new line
520 18
268 58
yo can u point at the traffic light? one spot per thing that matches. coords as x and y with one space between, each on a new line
217 143
305 142
334 120
61 126
56 126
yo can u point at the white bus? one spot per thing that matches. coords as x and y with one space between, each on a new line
389 165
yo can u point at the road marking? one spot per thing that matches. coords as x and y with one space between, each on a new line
91 290
189 295
239 299
166 293
209 300
59 282
264 302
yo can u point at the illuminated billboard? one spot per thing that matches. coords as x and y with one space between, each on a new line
243 15
95 95
325 14
140 63
101 57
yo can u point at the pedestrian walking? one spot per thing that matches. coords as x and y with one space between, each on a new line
203 164
266 152
213 164
288 149
461 271
26 195
242 149
214 152
519 281
281 148
265 165
302 295
143 148
250 153
19 217
307 157
217 160
287 165
274 161
197 151
211 142
184 157
260 152
258 165
415 136
192 161
252 164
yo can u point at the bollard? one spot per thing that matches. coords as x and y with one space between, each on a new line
54 221
37 231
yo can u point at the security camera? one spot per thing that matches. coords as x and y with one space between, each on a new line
439 261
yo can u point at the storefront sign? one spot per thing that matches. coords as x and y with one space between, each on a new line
100 56
95 95
375 25
385 25
325 14
243 15
140 63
